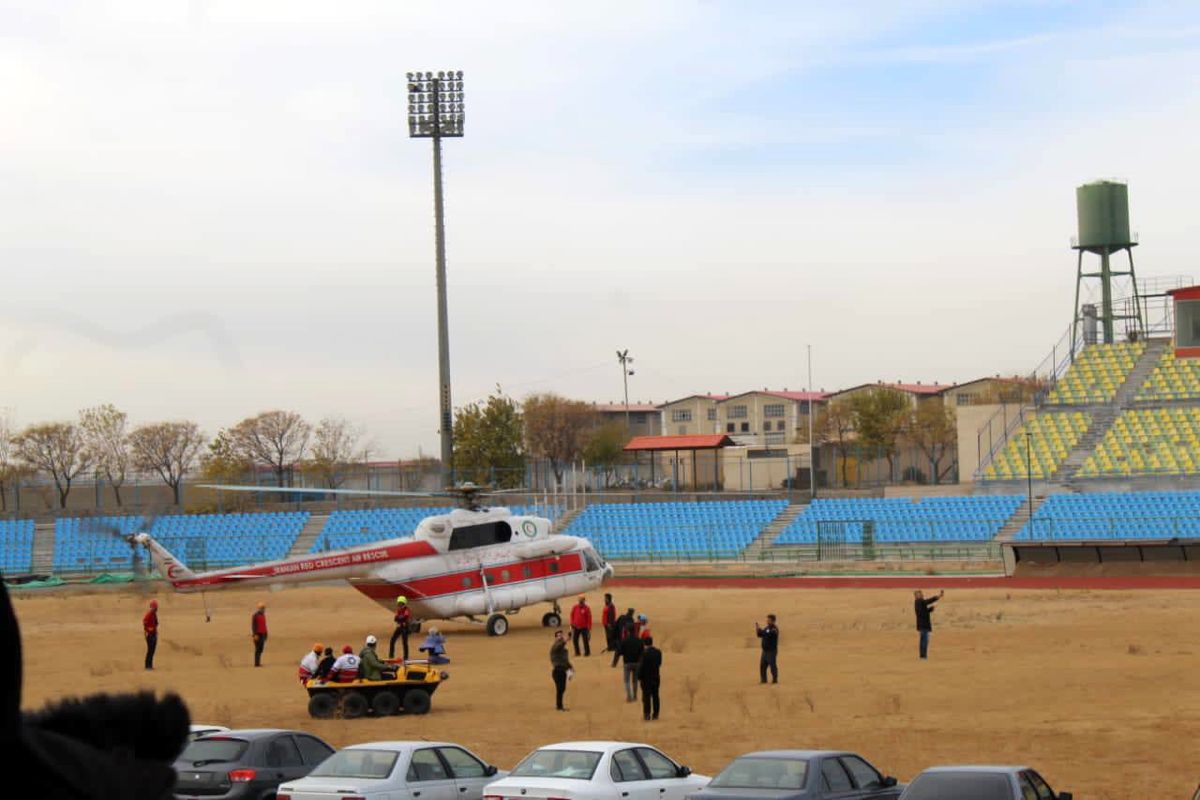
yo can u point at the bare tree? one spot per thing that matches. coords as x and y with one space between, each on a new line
556 429
11 468
106 431
168 448
335 449
274 439
59 450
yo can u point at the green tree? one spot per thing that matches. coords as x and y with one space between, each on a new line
556 429
605 448
224 463
489 442
880 419
834 426
933 431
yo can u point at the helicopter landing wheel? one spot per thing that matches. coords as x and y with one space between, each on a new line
551 619
497 625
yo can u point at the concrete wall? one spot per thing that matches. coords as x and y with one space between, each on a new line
979 428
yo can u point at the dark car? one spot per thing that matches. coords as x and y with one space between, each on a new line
981 783
799 775
246 765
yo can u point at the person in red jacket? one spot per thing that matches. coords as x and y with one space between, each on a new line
608 618
581 626
150 630
258 631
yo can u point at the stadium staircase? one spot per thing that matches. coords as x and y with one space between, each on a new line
43 548
1017 521
565 519
1102 419
755 550
1151 356
308 535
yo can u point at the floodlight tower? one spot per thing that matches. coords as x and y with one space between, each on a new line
435 109
1103 211
625 360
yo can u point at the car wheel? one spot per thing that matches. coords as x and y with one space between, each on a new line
551 620
497 625
322 705
417 702
354 705
385 703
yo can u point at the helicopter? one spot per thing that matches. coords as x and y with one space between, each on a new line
471 563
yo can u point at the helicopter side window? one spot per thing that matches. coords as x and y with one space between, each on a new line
481 535
591 561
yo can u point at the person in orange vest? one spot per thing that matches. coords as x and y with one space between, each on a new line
258 631
581 626
150 630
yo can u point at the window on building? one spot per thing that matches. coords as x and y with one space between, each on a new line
745 427
737 412
964 399
712 413
681 415
730 427
681 430
773 410
775 438
780 425
637 418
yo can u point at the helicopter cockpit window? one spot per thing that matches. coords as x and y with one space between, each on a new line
591 561
481 535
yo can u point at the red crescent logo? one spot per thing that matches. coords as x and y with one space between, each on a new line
172 571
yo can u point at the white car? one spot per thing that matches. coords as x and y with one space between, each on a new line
196 731
395 771
596 771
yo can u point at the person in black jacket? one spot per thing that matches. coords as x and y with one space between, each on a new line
326 664
648 673
622 628
770 649
924 608
630 651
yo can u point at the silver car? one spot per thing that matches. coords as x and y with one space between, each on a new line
981 783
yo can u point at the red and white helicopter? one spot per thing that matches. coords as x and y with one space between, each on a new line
470 562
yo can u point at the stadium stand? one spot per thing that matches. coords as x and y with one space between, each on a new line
356 527
1054 434
945 519
639 530
1098 371
1149 441
16 546
1116 515
94 544
1172 379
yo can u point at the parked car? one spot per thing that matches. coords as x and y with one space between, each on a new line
800 775
981 783
596 771
424 770
245 764
196 731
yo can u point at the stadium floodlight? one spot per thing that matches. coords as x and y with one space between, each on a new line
625 360
435 110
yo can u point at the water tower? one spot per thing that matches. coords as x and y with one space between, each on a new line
1103 210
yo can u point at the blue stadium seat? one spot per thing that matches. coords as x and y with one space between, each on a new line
1115 515
931 519
16 546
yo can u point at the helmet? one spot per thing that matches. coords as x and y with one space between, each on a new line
154 604
401 600
371 640
641 617
433 631
318 647
347 649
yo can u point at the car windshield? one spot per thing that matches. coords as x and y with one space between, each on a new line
214 750
577 764
762 773
953 785
357 763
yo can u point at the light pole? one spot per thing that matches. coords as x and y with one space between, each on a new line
625 360
435 109
1029 475
812 467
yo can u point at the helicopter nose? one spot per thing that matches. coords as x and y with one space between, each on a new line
608 571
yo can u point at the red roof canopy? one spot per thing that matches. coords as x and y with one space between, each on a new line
700 442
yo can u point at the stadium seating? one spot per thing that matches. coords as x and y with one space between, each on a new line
1172 379
1098 371
1151 441
1054 434
205 541
932 519
641 530
362 526
16 546
1116 515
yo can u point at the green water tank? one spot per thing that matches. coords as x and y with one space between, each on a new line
1103 208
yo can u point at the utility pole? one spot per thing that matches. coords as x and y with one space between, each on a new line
625 360
435 110
812 466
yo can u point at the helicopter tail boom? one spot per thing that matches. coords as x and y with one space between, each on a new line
167 564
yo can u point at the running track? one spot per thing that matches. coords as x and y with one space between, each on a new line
918 582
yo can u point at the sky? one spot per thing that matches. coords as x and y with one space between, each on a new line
210 209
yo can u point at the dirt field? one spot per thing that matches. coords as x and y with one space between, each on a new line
1096 689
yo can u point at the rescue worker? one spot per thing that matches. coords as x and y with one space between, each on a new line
608 618
258 631
581 626
630 652
643 627
560 668
309 664
648 676
923 609
403 619
345 669
770 650
323 668
150 631
371 666
434 647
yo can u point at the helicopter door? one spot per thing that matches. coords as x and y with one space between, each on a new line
556 584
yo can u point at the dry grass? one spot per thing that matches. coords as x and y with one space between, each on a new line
1046 678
